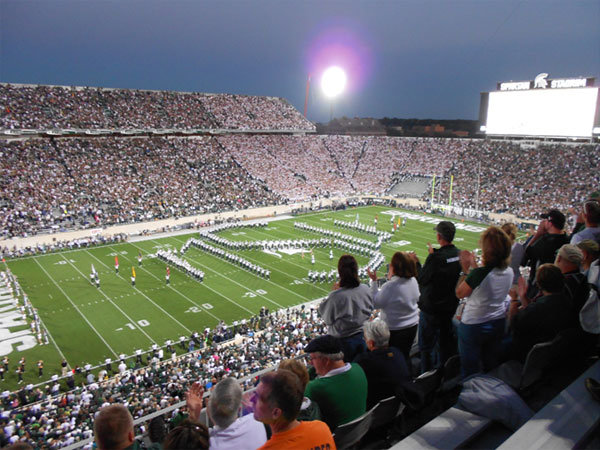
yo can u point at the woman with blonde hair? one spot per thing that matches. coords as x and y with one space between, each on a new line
486 289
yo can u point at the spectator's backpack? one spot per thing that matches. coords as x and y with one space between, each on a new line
589 316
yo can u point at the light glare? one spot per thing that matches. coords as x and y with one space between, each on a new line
333 81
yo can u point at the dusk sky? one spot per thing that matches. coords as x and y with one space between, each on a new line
424 58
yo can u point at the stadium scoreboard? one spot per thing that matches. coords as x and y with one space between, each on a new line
543 107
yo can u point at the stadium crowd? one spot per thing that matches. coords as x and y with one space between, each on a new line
46 421
79 183
346 359
84 182
49 107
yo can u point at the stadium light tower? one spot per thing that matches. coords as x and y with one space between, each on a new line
333 83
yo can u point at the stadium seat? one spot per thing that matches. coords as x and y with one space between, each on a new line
350 434
522 376
429 383
386 411
451 376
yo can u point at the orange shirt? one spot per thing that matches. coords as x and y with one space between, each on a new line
313 435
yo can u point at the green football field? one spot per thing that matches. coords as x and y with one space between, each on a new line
86 324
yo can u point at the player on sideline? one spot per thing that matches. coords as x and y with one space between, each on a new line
168 276
140 258
117 265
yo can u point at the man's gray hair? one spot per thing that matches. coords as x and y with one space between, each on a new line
571 253
225 401
378 332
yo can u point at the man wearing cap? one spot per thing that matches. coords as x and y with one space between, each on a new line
591 218
437 302
544 245
340 389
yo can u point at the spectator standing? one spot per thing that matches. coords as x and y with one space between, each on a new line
347 308
437 302
486 289
517 251
397 300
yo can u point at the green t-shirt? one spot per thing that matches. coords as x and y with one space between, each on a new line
342 397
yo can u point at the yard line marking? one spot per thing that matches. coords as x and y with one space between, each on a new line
114 304
77 309
53 341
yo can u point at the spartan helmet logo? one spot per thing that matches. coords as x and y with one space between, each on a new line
540 81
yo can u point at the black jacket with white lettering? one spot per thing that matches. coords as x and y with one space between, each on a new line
437 281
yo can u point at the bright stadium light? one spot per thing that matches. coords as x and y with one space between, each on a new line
333 81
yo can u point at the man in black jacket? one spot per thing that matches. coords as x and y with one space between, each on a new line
437 283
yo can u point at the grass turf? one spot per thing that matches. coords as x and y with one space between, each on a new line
87 324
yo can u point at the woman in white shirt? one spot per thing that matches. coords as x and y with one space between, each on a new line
486 289
397 300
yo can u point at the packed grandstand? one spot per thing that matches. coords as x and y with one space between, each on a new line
187 154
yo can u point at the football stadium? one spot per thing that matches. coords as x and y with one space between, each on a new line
378 291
